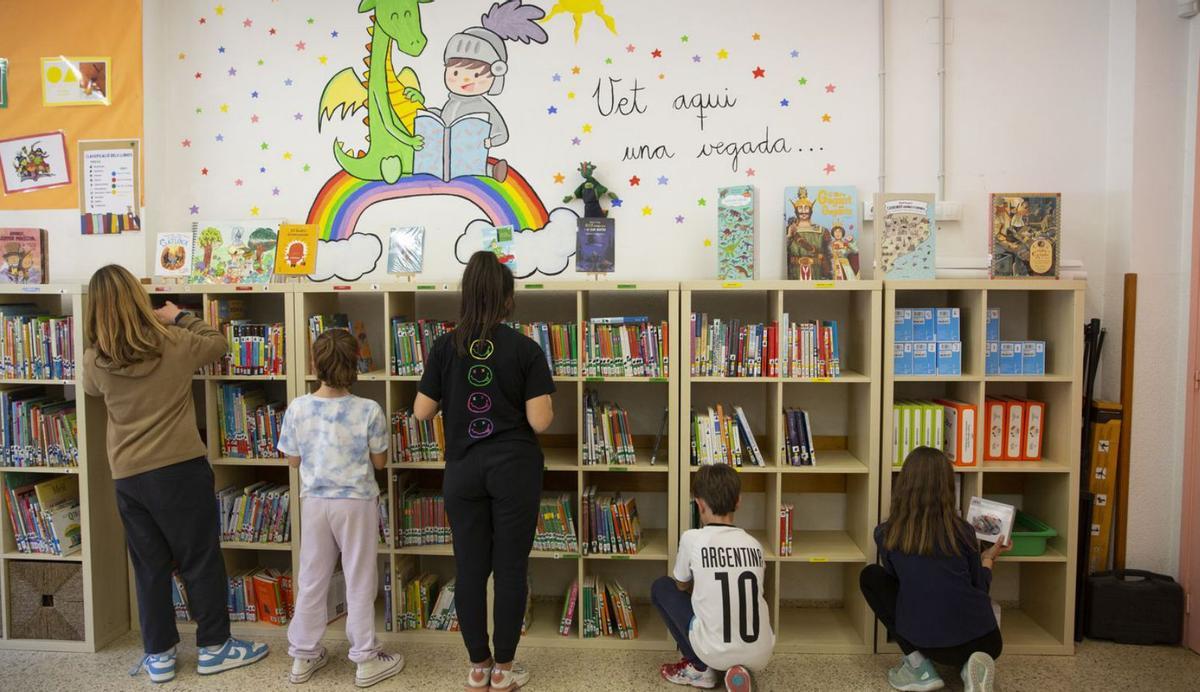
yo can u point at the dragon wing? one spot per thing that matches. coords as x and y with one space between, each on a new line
343 96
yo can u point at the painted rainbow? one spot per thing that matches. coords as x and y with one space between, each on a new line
344 198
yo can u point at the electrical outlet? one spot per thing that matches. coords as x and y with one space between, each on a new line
948 211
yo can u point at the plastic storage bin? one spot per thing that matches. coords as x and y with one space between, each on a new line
1029 536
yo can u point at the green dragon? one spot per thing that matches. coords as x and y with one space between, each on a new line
391 99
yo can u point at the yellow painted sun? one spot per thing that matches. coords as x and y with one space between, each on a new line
577 9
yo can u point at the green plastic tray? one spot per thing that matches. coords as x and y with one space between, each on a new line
1029 536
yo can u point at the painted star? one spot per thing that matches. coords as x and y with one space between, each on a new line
262 169
825 118
310 21
287 82
199 75
220 137
756 36
679 218
274 192
749 172
186 143
570 96
254 119
830 168
759 73
556 78
298 116
248 23
193 210
203 171
830 88
307 168
272 31
708 242
587 128
238 182
333 34
287 156
552 110
261 62
324 60
203 20
575 70
683 39
618 202
183 56
221 50
224 107
803 80
656 53
219 9
264 146
663 180
647 210
695 58
576 141
635 181
722 54
254 211
232 72
795 53
559 178
630 48
784 102
254 94
661 75
702 202
608 61
199 110
301 45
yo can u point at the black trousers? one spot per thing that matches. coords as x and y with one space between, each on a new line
881 589
170 517
492 500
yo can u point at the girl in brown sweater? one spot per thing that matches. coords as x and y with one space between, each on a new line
141 361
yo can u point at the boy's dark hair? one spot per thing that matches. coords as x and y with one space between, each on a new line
335 358
719 486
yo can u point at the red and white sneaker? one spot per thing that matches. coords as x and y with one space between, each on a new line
684 673
737 679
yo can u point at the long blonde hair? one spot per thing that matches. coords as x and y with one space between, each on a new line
923 518
119 321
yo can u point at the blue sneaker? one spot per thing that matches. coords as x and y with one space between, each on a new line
234 653
923 678
160 667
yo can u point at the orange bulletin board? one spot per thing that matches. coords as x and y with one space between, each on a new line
32 30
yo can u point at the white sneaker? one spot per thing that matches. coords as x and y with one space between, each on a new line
684 673
479 677
305 668
509 680
979 673
378 669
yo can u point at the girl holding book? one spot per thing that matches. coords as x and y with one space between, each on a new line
493 385
141 361
931 588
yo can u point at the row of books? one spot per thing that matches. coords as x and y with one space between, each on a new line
37 430
35 346
384 512
800 449
556 525
416 440
420 517
610 524
607 610
721 438
786 527
943 424
560 343
179 598
44 513
626 347
249 423
258 513
254 348
608 438
731 348
262 594
811 349
411 343
319 324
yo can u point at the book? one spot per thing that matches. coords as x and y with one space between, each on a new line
25 252
452 150
44 513
611 524
723 435
567 620
406 249
249 423
1026 232
905 236
736 231
607 435
35 345
560 343
417 440
991 520
556 526
256 513
499 240
36 429
822 231
625 347
786 528
296 250
420 515
411 343
234 252
596 245
173 255
254 348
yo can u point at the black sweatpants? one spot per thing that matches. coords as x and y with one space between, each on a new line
170 516
492 500
881 589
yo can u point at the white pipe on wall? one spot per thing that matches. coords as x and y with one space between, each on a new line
941 173
882 102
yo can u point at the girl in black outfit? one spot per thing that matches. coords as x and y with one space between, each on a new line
931 591
493 386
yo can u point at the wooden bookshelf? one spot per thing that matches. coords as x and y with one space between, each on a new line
105 605
813 594
1037 594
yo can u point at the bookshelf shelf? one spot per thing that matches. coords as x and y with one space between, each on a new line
40 469
244 545
36 381
230 461
830 630
1051 311
41 557
824 546
654 547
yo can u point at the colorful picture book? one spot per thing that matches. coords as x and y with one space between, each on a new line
499 241
411 343
556 525
608 438
596 245
257 513
625 347
609 524
452 149
800 448
249 422
560 343
607 609
296 250
36 429
406 250
44 513
35 346
25 252
905 236
823 227
722 435
173 255
417 440
1025 235
736 233
234 252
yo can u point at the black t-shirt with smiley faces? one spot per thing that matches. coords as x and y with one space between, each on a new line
483 393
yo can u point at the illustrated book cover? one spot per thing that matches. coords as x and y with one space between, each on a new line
25 256
735 233
296 250
234 252
173 254
822 227
1025 235
905 236
595 245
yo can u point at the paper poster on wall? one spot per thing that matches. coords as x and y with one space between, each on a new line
173 256
109 186
34 162
3 82
69 81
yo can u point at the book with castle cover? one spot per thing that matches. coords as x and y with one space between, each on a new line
234 252
173 254
296 250
1025 235
25 254
735 233
823 226
905 236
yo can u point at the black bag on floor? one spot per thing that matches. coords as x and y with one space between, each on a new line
1134 607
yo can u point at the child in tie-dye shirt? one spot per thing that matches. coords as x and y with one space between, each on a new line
337 440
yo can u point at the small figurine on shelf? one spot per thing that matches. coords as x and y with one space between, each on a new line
591 192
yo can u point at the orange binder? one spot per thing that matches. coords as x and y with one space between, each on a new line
994 419
1035 423
960 429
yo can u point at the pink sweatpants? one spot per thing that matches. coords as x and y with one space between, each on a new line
327 526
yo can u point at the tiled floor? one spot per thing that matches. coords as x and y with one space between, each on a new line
433 668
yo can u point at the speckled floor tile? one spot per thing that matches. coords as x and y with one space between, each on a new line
434 668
